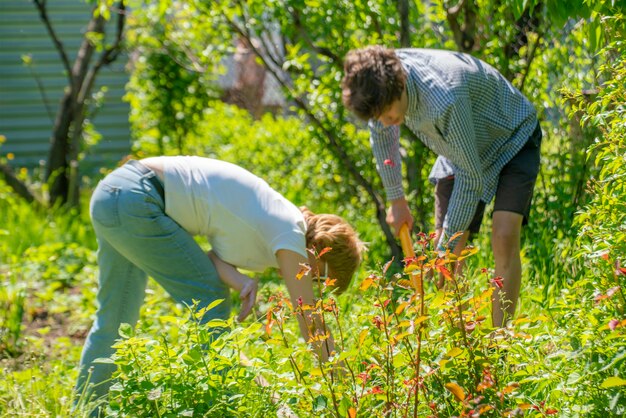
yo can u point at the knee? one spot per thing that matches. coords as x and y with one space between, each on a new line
505 238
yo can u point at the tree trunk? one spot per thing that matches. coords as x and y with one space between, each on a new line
56 175
405 27
69 118
462 21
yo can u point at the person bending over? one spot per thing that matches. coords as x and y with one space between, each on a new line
484 130
146 214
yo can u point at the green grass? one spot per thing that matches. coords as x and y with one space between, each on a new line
558 358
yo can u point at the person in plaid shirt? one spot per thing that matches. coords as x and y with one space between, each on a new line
484 131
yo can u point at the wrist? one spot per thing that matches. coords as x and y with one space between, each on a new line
398 200
241 281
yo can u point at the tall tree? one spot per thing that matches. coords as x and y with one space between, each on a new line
67 131
65 141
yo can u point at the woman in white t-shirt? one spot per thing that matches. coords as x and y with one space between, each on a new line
145 215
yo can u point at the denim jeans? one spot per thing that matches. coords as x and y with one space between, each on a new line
136 239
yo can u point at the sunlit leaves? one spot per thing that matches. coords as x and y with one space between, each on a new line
456 390
613 381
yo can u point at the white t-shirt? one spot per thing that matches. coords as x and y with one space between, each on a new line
244 219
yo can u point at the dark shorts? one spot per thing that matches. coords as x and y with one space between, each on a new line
515 186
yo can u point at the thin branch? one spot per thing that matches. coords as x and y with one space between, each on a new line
195 62
18 185
530 59
463 33
333 141
303 33
43 13
455 10
276 53
42 92
269 42
107 57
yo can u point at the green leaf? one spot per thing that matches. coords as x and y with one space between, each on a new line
613 381
213 304
126 331
320 403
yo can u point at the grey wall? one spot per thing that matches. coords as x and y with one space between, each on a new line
26 117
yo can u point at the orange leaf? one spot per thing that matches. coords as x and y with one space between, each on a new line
404 284
304 269
456 390
352 412
324 251
366 284
330 282
270 322
401 307
467 252
510 388
446 273
420 319
455 236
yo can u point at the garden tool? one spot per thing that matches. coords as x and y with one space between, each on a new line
407 249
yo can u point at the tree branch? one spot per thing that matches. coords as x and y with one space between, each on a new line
43 13
303 33
107 57
463 33
405 28
335 146
18 185
529 60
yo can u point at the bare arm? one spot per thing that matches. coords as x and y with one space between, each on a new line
238 281
301 290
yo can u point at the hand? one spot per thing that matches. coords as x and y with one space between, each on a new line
399 214
248 298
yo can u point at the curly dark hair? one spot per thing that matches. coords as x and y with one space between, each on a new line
373 79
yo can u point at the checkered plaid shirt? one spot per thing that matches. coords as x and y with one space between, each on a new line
464 110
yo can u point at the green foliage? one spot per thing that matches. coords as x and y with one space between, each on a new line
187 372
168 89
602 242
307 62
12 309
399 353
601 223
40 384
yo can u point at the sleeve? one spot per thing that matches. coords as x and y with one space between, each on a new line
457 128
293 240
385 142
281 223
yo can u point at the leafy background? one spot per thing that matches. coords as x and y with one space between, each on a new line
402 354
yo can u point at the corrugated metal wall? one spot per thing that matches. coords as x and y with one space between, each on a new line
27 115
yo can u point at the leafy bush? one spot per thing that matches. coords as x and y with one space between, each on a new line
187 372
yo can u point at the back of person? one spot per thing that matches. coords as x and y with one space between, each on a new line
244 219
502 117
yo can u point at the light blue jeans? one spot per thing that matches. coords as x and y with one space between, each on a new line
135 239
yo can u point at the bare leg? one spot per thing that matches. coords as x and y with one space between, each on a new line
505 241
